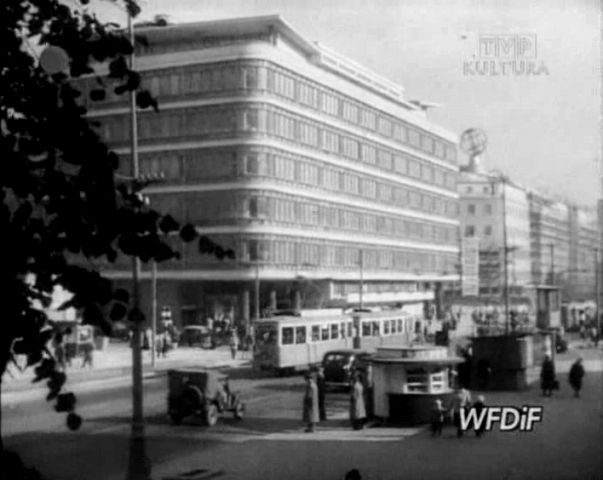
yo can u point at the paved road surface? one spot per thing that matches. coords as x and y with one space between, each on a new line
270 442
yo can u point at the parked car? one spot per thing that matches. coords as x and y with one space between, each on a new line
340 365
561 344
120 332
196 336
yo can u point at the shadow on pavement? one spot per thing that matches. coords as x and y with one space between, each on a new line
283 388
242 372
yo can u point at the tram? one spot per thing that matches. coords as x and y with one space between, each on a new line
289 343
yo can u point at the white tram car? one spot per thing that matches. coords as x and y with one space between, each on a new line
286 343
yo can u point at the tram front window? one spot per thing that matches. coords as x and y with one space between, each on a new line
265 336
300 334
366 329
287 335
315 333
375 329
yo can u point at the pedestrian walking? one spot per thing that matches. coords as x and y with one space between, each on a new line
576 374
310 409
548 378
69 347
165 344
88 351
581 322
321 386
438 413
59 350
594 336
368 386
357 407
249 345
234 343
462 400
478 406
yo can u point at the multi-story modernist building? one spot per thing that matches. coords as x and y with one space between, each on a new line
492 208
584 243
315 170
551 237
551 244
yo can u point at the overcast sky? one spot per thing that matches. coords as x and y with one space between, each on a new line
543 130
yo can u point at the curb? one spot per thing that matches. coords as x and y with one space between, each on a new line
77 376
101 378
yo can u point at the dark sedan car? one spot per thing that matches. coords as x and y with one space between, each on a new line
196 336
339 366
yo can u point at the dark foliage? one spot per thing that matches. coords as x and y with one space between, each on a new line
62 210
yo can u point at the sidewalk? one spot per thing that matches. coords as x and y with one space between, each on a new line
116 362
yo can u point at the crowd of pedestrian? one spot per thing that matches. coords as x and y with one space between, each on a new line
66 352
441 415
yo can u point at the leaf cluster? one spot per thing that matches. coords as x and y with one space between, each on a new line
62 212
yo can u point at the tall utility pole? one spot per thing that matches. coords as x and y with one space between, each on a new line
153 313
361 291
505 252
597 288
256 291
137 402
138 466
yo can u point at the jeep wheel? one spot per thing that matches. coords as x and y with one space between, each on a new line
239 411
211 415
176 418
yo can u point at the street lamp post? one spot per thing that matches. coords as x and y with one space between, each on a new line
597 289
138 464
153 313
503 180
256 285
361 291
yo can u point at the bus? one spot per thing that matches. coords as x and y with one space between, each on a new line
292 343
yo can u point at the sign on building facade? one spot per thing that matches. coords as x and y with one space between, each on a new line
470 264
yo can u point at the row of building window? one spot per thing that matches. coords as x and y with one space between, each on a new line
472 209
489 189
290 253
231 77
341 289
196 166
216 122
289 209
290 85
217 208
330 255
471 230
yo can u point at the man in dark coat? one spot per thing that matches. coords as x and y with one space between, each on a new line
547 377
320 384
576 374
460 401
310 414
438 413
479 406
